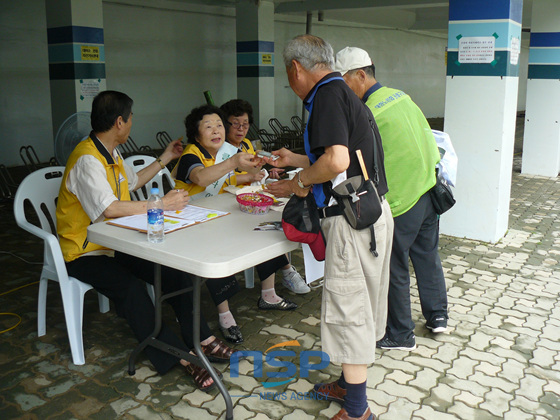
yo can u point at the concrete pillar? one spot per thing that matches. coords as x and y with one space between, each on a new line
480 112
255 58
76 56
541 141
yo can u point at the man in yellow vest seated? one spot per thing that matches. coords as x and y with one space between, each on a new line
96 186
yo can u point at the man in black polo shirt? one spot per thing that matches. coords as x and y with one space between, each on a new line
353 314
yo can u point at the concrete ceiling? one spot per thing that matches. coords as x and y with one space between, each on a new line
422 15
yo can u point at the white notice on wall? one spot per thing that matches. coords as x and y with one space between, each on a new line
515 49
89 88
477 49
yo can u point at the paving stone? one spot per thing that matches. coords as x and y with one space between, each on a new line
465 385
146 412
537 408
425 379
531 387
512 370
543 357
493 382
375 375
482 356
441 397
399 377
517 414
497 402
182 410
428 413
465 412
122 405
402 408
553 387
330 411
298 415
28 402
272 409
469 399
488 369
239 412
391 364
431 363
392 388
198 397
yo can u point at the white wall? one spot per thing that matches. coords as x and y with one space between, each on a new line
25 102
406 60
164 54
164 60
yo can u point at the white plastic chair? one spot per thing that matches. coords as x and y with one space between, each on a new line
41 188
139 162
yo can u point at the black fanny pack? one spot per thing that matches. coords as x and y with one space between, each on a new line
441 195
358 199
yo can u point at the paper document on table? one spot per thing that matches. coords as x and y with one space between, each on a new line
140 222
172 221
196 214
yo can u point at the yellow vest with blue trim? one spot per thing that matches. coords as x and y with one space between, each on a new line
72 220
207 160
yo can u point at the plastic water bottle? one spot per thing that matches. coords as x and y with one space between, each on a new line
155 217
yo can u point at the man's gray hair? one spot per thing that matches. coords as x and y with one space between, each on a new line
312 52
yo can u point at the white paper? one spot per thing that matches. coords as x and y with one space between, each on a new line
314 270
173 220
196 214
477 49
515 50
140 222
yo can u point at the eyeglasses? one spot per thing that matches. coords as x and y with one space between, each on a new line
237 125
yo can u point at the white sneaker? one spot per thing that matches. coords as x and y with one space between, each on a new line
295 283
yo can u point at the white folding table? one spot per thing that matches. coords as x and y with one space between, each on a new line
214 249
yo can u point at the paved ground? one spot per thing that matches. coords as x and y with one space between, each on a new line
500 358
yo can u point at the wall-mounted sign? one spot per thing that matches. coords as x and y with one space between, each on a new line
90 53
477 49
266 59
89 88
515 50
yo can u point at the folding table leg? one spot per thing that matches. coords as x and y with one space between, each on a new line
196 338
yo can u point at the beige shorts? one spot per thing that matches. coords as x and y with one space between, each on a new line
354 306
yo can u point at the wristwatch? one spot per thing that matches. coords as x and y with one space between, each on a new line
300 184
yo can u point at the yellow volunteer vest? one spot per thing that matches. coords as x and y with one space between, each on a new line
72 220
207 160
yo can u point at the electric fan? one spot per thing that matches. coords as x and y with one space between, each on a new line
72 131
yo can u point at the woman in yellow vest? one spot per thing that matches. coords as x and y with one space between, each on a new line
207 165
239 116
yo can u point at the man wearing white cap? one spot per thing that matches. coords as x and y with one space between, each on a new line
411 155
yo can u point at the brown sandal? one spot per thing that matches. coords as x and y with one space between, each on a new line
201 375
217 351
